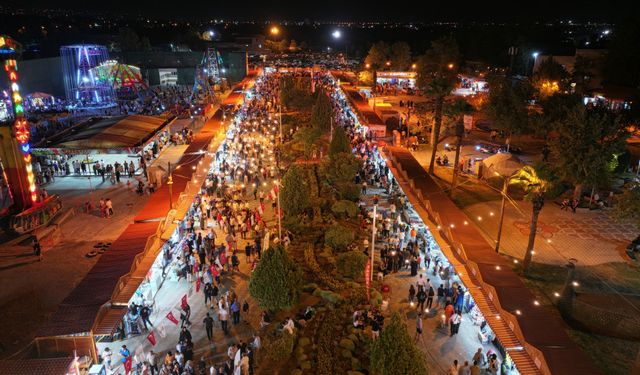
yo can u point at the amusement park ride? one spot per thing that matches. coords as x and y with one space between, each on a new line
18 189
206 76
92 82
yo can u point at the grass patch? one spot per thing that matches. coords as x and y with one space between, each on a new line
612 355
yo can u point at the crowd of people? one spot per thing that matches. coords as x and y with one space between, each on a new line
226 220
404 246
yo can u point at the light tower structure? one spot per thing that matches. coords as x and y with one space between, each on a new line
82 87
15 149
207 74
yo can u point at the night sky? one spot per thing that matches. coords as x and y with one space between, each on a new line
408 10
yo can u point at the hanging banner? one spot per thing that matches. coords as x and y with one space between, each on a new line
162 330
184 301
152 338
172 318
127 365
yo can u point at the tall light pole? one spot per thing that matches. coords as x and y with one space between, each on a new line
535 57
279 211
505 187
280 120
170 184
373 231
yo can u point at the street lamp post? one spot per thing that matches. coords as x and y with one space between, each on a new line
279 211
535 57
280 120
373 232
505 186
170 184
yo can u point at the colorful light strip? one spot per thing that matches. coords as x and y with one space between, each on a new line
20 126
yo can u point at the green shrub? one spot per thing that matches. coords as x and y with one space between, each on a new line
280 347
277 281
348 191
351 264
395 353
338 237
345 208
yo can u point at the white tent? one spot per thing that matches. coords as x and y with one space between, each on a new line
504 164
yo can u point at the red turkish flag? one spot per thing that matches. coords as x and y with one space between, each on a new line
127 365
152 338
172 318
184 301
197 285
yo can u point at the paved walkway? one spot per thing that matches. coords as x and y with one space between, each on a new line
440 349
591 237
37 288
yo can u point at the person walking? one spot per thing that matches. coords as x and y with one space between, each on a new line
430 295
418 328
412 293
223 316
455 322
109 207
422 297
106 356
145 313
37 250
465 369
152 359
208 325
235 310
185 315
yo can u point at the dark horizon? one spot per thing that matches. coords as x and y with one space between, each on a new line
409 11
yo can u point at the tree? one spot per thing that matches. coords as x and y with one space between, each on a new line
536 182
377 57
437 77
365 78
351 264
394 353
286 88
457 110
294 197
550 78
339 142
129 41
308 137
584 69
321 112
555 109
586 143
276 281
338 237
628 204
400 56
507 105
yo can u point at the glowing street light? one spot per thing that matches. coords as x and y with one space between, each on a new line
275 30
336 34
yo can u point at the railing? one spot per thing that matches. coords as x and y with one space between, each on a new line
456 251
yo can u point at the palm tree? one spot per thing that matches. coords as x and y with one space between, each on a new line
437 77
457 110
535 186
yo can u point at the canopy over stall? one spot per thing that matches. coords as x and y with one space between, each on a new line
122 132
